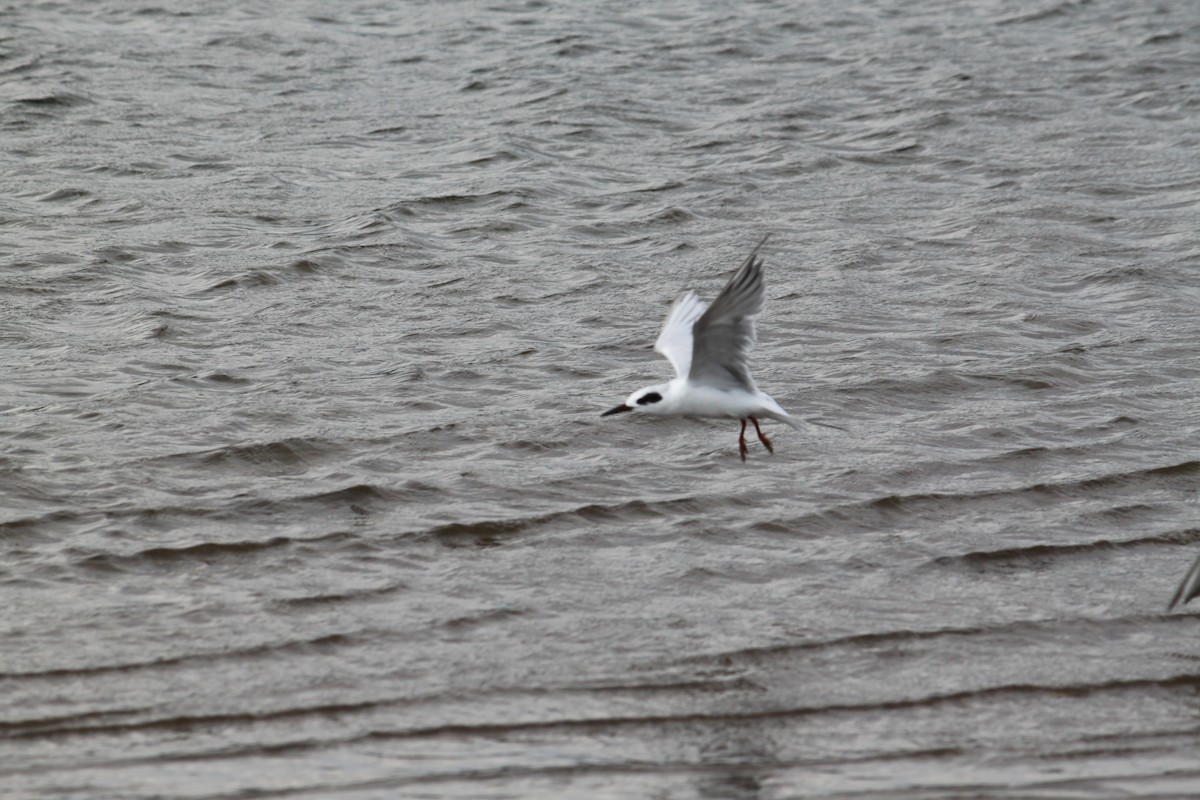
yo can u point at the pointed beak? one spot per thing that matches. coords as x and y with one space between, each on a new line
617 410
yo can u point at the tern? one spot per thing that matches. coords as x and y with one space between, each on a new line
709 347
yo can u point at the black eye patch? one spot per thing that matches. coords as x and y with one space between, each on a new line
649 397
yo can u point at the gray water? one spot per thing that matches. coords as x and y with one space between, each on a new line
309 312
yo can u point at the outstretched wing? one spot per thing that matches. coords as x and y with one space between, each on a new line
1189 588
675 341
724 335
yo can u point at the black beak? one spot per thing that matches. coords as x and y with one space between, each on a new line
617 410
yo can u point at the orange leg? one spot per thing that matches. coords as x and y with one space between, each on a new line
762 437
742 441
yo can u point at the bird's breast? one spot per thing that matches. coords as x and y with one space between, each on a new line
704 401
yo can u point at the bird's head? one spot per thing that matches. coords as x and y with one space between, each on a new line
648 399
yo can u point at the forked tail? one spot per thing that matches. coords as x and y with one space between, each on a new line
798 422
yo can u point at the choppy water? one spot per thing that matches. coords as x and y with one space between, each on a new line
309 311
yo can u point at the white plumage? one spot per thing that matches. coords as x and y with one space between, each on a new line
709 347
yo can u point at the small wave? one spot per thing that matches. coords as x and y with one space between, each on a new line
65 196
323 599
250 280
483 618
484 533
56 100
33 526
612 723
940 383
126 721
867 513
286 456
172 556
217 380
359 493
1049 12
447 201
359 499
1043 555
322 643
1044 629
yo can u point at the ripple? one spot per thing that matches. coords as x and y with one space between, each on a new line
298 467
1043 556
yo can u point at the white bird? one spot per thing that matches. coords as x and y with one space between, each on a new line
709 346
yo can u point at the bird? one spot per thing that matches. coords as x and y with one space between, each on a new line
709 347
1188 589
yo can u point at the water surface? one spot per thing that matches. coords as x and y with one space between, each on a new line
309 313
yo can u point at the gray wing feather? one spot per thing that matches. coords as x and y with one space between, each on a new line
1189 588
724 335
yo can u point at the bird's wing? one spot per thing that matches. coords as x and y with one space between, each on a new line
1189 588
675 341
724 335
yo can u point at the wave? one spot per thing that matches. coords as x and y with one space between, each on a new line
292 646
493 531
1042 554
124 721
870 514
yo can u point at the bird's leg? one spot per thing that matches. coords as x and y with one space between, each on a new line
742 440
762 437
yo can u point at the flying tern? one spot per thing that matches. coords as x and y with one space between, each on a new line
709 347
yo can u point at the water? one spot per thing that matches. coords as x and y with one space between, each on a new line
310 311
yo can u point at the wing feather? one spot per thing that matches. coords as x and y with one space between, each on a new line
675 341
1189 588
724 335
